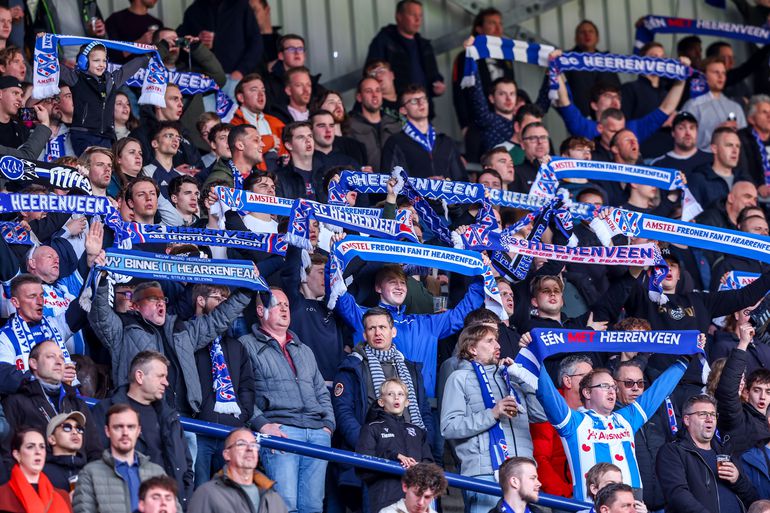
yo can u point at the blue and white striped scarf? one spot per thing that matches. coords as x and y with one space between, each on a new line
535 53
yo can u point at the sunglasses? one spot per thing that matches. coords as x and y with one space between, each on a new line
67 428
630 383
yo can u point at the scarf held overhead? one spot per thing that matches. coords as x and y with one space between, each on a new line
548 177
549 342
484 47
467 263
648 26
47 71
149 266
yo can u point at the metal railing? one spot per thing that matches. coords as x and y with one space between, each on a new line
368 462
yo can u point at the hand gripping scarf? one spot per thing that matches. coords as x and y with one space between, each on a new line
47 71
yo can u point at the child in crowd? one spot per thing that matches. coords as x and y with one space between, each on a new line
94 90
389 436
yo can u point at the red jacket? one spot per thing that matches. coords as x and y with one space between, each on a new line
552 466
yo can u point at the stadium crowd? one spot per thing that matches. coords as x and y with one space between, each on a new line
408 363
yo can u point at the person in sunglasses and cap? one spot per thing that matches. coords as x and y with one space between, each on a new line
64 435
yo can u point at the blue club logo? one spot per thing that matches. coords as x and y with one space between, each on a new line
11 167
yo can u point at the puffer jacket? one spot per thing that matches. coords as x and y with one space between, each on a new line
281 396
101 488
126 335
466 420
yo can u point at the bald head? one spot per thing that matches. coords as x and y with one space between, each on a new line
742 195
43 262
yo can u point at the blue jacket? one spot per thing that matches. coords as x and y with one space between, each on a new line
351 406
417 335
755 466
579 125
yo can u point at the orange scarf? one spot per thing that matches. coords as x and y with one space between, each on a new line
44 500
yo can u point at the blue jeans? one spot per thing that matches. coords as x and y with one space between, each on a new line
479 502
299 479
209 458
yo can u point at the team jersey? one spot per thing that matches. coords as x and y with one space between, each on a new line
590 438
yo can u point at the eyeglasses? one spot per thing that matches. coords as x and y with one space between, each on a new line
704 414
538 138
577 375
243 444
294 49
173 136
605 386
125 293
67 428
630 383
155 299
217 298
416 101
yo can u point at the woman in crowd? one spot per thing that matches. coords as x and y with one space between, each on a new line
29 490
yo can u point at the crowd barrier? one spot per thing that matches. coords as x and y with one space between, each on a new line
369 462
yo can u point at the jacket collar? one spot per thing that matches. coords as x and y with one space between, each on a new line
395 311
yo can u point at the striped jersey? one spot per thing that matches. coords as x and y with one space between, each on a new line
590 438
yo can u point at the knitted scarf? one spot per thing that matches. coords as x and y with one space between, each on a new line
394 356
44 500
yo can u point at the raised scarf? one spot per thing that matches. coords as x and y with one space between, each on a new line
46 66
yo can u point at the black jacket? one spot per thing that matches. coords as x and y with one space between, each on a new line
444 161
187 153
757 355
321 329
750 158
31 407
59 469
581 82
686 310
688 483
389 46
238 43
708 188
739 420
177 461
241 375
387 436
94 97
